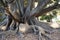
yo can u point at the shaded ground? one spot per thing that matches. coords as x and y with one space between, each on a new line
30 36
56 35
17 37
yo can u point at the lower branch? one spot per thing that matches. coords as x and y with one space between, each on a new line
44 11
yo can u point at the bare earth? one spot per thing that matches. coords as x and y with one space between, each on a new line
16 37
29 36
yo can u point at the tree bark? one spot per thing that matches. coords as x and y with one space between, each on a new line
46 10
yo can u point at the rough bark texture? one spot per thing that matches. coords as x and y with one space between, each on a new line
29 36
22 21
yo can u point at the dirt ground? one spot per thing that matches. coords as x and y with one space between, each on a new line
17 37
29 36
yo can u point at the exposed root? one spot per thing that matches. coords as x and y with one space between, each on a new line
43 32
8 32
4 22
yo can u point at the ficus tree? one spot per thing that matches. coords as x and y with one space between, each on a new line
23 12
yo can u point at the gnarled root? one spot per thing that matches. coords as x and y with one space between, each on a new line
43 32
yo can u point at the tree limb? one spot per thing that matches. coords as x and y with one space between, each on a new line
41 5
44 11
28 9
20 4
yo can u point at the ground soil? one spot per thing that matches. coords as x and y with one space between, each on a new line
29 36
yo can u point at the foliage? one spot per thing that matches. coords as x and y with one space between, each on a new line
51 15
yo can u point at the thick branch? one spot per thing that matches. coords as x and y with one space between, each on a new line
28 7
41 5
44 11
20 4
9 13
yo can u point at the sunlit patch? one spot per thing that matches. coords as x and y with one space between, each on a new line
22 29
54 25
3 27
58 2
36 3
